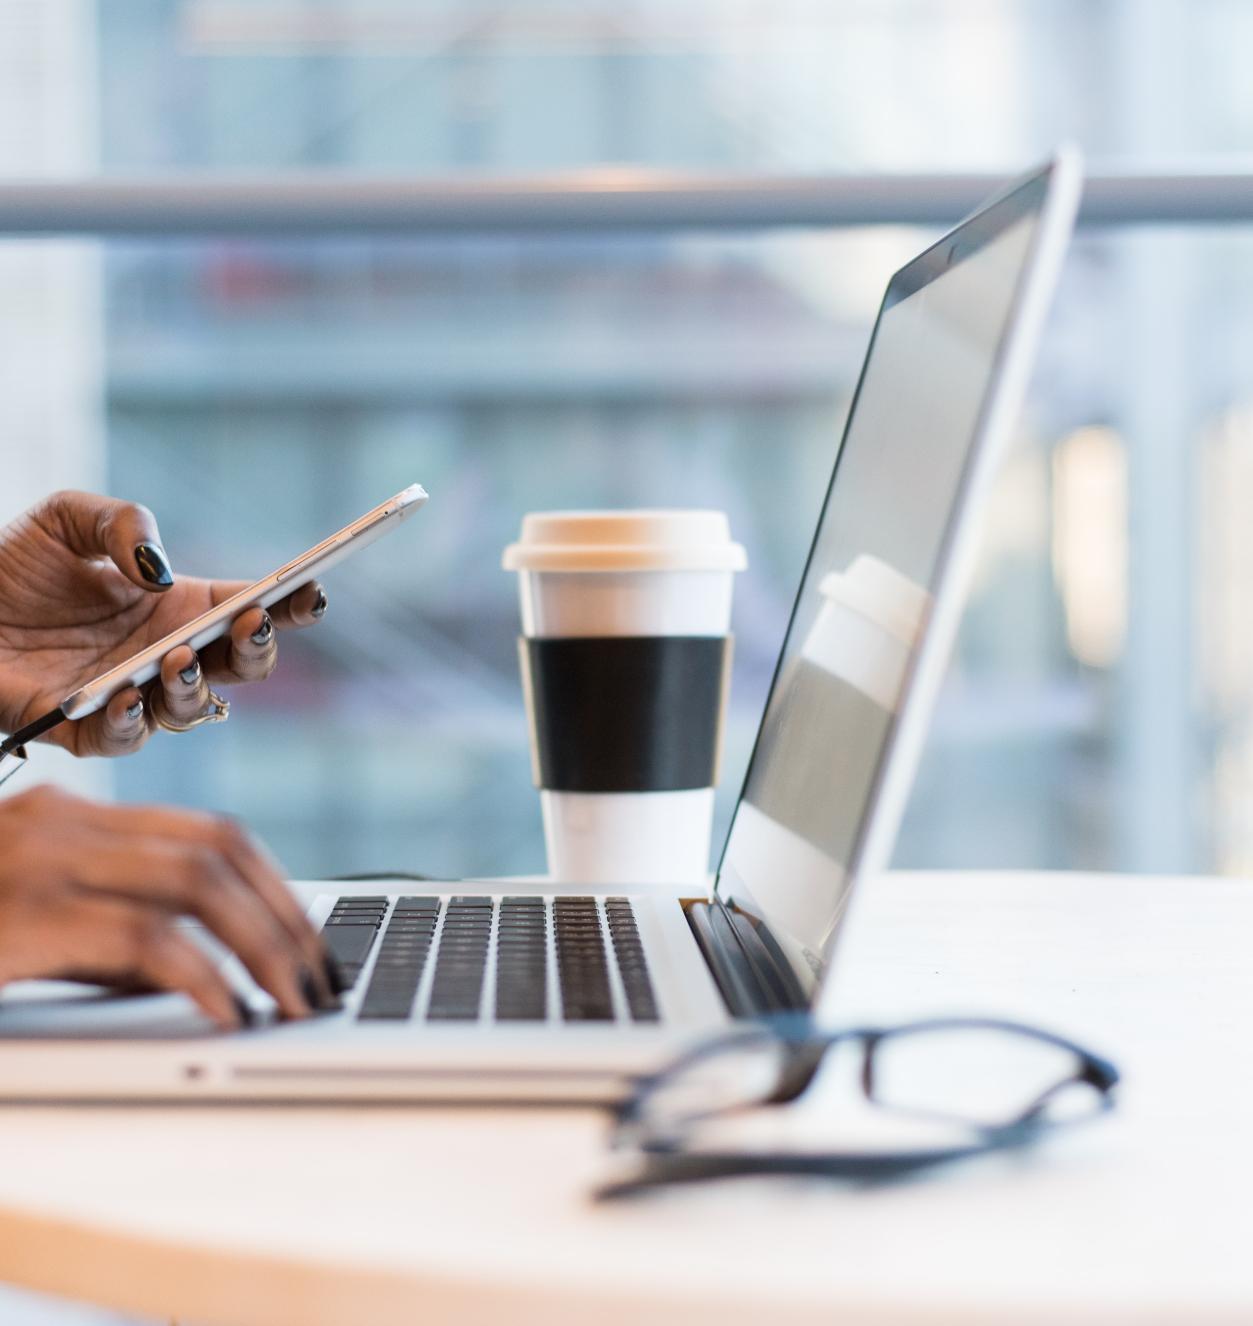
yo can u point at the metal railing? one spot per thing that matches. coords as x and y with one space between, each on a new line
593 200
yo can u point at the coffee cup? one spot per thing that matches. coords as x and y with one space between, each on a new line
625 655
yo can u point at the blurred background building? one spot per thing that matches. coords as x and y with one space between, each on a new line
257 393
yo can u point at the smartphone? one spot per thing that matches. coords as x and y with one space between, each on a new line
277 585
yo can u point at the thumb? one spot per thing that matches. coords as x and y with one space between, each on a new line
125 532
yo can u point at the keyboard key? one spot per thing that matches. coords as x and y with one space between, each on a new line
349 944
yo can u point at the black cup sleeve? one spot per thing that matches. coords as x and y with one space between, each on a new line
625 713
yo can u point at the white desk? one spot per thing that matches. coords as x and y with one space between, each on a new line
375 1217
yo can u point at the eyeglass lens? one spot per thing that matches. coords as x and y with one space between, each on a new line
983 1075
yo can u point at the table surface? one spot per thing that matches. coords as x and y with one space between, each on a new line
313 1216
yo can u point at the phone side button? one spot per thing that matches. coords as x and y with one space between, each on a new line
303 567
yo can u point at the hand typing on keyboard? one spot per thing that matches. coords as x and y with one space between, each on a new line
93 892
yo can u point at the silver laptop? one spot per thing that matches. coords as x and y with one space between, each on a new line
512 991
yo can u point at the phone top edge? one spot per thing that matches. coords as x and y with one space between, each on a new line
145 665
411 500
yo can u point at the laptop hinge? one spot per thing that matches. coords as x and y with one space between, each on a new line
747 966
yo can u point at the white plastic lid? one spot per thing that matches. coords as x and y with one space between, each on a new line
880 594
625 541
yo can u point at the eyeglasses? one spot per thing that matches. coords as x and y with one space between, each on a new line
1003 1083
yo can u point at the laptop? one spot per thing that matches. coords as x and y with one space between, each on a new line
511 991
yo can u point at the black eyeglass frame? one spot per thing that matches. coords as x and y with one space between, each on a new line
666 1161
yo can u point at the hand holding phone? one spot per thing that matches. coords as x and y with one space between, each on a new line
77 611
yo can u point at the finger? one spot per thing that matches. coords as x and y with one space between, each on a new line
120 728
302 607
184 690
125 532
245 854
248 653
255 864
194 880
124 945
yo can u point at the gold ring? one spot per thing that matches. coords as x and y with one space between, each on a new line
218 711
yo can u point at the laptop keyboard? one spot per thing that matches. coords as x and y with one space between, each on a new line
529 935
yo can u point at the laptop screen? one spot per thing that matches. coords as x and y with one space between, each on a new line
866 593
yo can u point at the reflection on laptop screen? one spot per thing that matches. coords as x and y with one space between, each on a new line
867 590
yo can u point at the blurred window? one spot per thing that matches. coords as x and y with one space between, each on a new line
1099 711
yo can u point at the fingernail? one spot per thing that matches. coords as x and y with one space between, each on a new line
191 673
153 566
314 997
136 709
247 1018
335 977
261 636
320 606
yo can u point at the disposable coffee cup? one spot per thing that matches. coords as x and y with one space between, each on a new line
625 655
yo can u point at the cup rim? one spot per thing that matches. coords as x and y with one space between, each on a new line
652 539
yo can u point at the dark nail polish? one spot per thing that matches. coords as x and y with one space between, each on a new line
247 1018
261 636
153 566
324 1003
335 977
135 710
320 606
191 673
